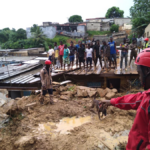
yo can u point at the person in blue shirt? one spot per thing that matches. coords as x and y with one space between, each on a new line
77 58
113 52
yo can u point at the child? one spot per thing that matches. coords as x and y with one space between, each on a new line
89 53
66 57
139 136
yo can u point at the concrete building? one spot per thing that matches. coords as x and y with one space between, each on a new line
126 28
105 26
93 26
147 31
122 21
49 31
95 19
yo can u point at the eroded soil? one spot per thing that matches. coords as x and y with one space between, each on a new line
23 133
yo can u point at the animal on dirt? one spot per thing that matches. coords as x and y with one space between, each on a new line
100 107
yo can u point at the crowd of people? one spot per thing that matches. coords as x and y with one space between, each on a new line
89 52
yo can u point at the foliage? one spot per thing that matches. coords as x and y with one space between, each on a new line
114 12
12 35
34 28
92 33
140 13
75 18
114 27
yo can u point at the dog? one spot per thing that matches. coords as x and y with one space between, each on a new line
100 107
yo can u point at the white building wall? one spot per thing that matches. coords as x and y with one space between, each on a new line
93 26
50 32
147 31
122 21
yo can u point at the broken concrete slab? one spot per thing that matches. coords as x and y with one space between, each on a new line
110 95
64 97
114 90
62 88
82 93
92 93
108 90
101 92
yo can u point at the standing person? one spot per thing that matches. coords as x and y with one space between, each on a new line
66 59
89 53
77 58
124 53
142 41
61 52
127 39
113 52
97 52
133 46
139 42
134 38
139 136
72 52
106 54
81 54
57 63
146 43
46 81
51 53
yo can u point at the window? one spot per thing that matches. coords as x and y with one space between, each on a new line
147 34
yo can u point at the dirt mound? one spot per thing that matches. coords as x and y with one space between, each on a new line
27 114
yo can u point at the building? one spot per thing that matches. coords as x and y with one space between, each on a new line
95 19
105 26
49 31
147 31
126 28
93 26
122 21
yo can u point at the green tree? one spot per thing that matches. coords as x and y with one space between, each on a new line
140 13
21 34
39 37
34 28
114 27
75 18
114 12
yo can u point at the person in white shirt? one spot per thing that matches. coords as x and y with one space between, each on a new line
89 56
139 43
142 41
51 54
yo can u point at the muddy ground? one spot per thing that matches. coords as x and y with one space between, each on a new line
22 132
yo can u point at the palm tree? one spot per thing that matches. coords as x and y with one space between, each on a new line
38 36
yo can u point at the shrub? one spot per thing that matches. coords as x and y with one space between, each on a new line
115 28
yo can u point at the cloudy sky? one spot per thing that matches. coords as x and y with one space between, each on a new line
24 13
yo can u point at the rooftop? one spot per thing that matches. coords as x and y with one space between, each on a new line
95 18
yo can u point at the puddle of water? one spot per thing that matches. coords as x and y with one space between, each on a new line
70 123
64 125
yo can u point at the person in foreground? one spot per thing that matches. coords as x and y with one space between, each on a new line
46 81
139 136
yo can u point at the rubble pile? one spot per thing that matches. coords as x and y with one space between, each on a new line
21 119
70 90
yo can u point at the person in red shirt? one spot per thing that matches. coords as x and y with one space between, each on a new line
61 53
139 136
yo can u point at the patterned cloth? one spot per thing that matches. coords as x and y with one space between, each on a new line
66 60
